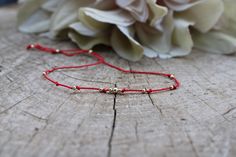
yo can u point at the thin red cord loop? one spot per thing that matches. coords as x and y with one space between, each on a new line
100 60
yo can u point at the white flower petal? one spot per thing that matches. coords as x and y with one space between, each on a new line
204 15
150 52
160 41
37 23
117 17
125 45
227 23
157 14
104 4
86 42
28 9
181 5
216 42
137 8
181 38
84 30
65 16
52 5
164 56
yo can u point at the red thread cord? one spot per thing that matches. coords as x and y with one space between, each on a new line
100 60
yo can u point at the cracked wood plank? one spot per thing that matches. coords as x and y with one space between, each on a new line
39 119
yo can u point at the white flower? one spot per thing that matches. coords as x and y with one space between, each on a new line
164 28
222 38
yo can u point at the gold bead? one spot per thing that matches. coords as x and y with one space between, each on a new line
172 87
115 90
111 90
32 46
58 51
118 91
144 91
101 90
74 88
172 76
90 51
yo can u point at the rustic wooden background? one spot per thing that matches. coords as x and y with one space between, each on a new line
38 119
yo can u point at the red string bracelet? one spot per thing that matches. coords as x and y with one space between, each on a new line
100 60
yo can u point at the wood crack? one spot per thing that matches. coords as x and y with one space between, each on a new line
9 79
17 103
157 107
212 108
136 131
229 111
192 145
35 116
113 127
149 95
46 120
130 68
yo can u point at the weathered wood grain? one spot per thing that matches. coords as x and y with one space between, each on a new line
38 119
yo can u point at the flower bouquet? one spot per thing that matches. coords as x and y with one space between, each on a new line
133 28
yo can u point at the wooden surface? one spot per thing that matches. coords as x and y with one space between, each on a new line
39 119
